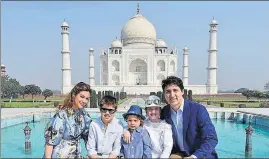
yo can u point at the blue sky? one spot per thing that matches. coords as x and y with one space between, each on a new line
31 38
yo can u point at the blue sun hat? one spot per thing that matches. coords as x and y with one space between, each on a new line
134 110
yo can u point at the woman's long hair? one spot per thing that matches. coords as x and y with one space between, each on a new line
69 100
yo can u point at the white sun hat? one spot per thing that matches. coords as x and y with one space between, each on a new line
153 101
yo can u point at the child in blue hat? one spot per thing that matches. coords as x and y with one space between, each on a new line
140 145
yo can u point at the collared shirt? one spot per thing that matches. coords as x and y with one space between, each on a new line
140 146
105 142
161 138
177 118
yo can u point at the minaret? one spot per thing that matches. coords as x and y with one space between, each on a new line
66 67
185 72
137 10
3 70
212 87
92 78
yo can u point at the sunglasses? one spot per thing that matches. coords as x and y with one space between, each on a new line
111 111
155 101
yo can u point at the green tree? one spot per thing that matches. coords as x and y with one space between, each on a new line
257 94
185 95
117 96
27 89
121 95
22 91
265 95
32 89
266 86
163 98
47 93
159 94
4 86
93 99
190 94
241 90
248 94
10 87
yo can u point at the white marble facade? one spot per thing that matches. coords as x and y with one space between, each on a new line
138 61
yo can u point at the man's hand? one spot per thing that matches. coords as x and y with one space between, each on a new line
189 157
126 136
94 156
112 156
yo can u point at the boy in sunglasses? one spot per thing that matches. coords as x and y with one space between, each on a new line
104 140
140 146
160 132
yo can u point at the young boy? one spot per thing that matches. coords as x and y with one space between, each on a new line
140 146
104 140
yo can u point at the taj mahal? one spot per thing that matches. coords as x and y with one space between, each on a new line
138 61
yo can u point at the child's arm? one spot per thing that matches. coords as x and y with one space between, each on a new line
116 146
147 148
122 149
167 142
91 144
126 136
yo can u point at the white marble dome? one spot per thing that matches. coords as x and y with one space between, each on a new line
116 43
185 48
65 24
91 49
160 43
138 30
214 22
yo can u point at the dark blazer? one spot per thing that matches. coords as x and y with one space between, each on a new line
199 134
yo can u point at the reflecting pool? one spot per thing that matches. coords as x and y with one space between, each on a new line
231 136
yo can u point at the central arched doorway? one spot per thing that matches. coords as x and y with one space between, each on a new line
138 72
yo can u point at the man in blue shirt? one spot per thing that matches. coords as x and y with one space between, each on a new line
193 132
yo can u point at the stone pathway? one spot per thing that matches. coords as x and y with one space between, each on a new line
14 112
125 103
133 101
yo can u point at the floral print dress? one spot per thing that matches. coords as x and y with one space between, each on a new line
65 130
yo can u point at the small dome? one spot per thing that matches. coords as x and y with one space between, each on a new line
185 48
91 49
214 22
65 24
138 30
116 43
160 43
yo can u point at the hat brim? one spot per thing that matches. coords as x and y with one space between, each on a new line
155 105
126 114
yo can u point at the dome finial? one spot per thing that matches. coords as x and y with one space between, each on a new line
137 8
116 37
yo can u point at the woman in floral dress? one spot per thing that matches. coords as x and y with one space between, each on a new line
70 124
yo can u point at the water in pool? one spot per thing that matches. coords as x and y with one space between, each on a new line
231 140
